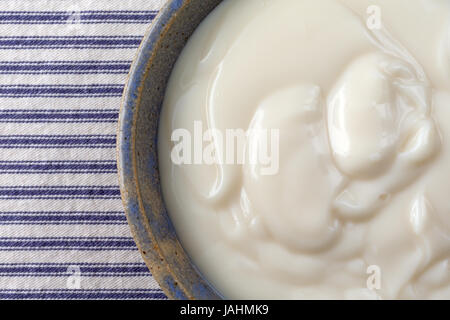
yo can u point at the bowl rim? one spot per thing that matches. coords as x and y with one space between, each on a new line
125 146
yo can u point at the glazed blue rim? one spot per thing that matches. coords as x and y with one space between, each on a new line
174 285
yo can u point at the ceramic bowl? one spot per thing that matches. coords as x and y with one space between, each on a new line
139 177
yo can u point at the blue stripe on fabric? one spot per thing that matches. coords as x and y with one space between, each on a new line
62 218
60 91
73 17
100 294
57 142
59 192
56 116
64 67
67 243
57 167
86 269
70 42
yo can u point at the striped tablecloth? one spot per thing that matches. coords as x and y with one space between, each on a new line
63 233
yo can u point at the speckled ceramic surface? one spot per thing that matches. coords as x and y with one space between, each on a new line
137 150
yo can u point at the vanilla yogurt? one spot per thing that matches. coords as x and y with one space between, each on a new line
358 94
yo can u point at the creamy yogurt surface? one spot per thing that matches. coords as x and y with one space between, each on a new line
354 202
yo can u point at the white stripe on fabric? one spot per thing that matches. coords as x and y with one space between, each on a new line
55 155
75 257
60 79
72 5
64 231
66 205
94 128
67 104
81 30
44 179
68 55
127 282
